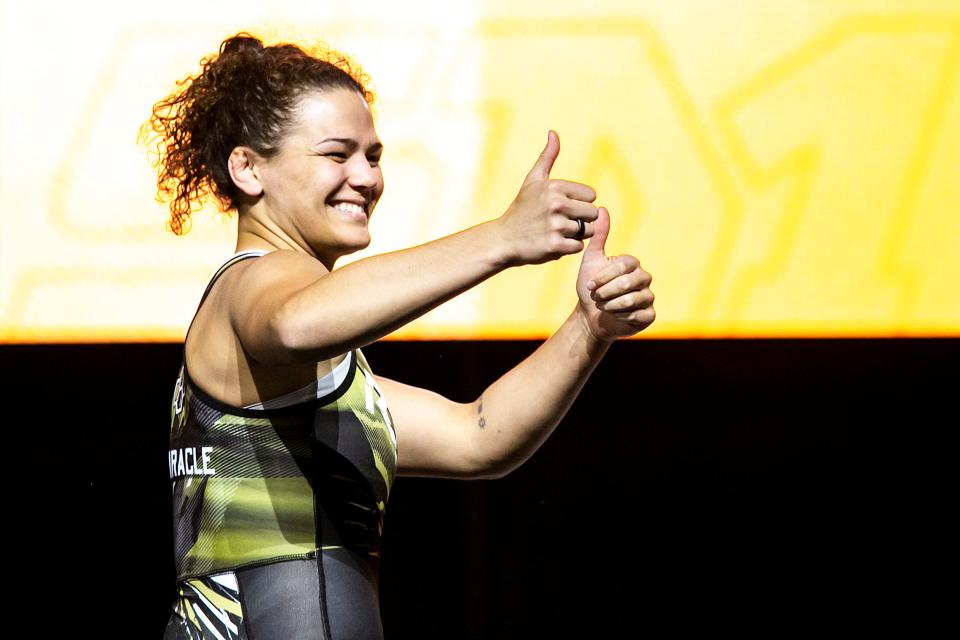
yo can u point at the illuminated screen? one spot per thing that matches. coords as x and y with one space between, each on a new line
785 168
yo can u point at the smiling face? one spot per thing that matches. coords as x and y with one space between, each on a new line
325 181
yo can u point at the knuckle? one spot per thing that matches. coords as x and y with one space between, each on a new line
643 316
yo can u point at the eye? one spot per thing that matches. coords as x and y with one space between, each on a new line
374 161
339 156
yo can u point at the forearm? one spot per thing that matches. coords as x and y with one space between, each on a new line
365 300
519 411
368 299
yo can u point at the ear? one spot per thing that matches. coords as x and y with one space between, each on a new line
244 170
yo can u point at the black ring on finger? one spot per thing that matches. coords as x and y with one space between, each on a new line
581 229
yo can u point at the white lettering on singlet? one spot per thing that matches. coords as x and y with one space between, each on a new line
178 395
187 462
368 395
381 404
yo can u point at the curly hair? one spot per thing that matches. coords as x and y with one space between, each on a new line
245 96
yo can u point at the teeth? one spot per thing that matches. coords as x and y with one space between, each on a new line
348 207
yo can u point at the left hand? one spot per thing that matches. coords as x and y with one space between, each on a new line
614 291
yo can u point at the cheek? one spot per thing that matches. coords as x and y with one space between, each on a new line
324 184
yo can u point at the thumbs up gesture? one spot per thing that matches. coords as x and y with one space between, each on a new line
542 222
614 292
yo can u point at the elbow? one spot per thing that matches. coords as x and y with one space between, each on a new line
488 473
477 467
489 469
484 459
499 473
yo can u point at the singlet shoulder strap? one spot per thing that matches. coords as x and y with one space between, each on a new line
232 260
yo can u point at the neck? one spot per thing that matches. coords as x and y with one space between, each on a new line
256 231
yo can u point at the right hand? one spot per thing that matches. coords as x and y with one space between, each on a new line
541 221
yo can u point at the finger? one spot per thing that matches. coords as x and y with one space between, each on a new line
632 281
574 209
601 229
617 266
623 285
543 165
638 317
568 246
571 228
630 301
575 190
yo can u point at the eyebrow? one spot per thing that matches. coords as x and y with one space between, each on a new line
350 143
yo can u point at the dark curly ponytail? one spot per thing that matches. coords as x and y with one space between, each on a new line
244 96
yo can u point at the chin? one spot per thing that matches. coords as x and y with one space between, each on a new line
364 243
359 244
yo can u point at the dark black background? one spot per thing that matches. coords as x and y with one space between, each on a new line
726 484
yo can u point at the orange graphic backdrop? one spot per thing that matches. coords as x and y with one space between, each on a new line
787 171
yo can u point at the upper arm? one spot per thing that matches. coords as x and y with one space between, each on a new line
256 295
433 433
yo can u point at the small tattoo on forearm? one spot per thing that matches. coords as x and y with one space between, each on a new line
483 421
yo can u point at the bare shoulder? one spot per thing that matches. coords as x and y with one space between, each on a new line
232 354
286 269
253 295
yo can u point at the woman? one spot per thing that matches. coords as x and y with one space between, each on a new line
282 448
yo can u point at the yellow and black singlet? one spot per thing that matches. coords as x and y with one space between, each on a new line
278 507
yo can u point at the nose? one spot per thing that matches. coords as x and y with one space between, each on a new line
362 175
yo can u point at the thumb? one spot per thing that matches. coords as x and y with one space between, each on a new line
543 165
601 228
